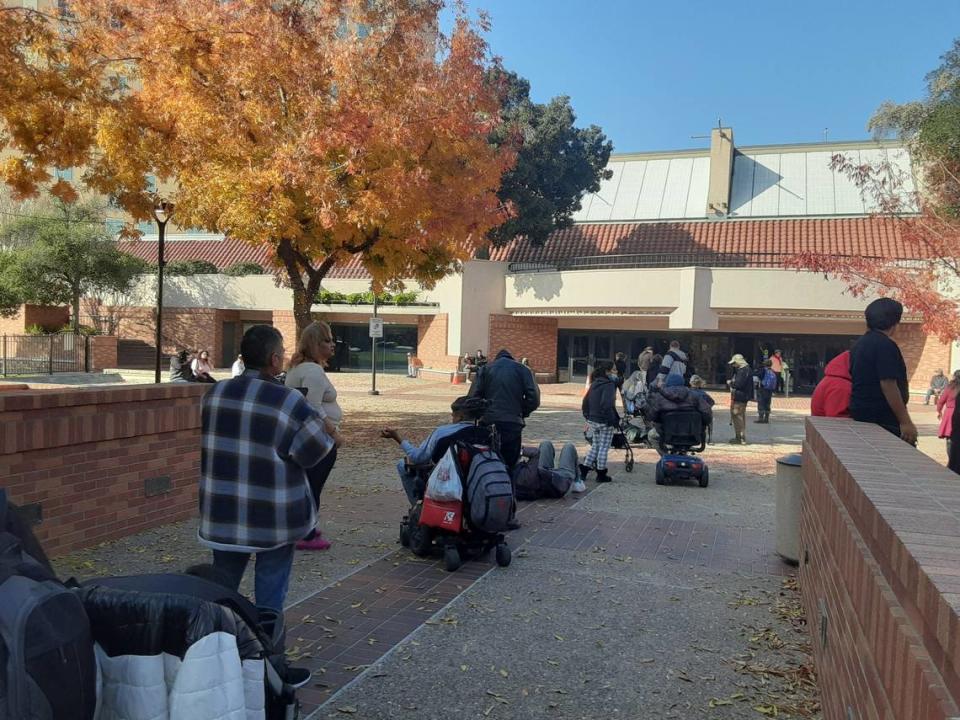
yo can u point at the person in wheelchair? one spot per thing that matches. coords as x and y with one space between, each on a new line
414 468
673 396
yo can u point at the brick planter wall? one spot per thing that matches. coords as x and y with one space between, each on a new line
529 337
102 463
880 574
103 352
432 342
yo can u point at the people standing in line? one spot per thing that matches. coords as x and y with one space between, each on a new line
946 404
653 371
180 370
307 374
673 363
258 438
766 385
776 364
937 383
202 368
880 391
237 369
512 394
741 392
599 409
831 397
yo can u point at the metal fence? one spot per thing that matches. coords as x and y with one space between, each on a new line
654 260
44 354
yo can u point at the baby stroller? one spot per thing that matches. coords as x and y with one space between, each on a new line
450 528
681 436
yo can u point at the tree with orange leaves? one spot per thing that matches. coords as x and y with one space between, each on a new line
324 129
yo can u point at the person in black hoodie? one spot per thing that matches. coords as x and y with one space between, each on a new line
600 411
513 395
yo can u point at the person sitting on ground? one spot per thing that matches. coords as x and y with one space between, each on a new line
536 476
481 359
238 368
468 363
831 397
698 386
202 368
464 413
600 411
180 370
937 383
673 363
670 398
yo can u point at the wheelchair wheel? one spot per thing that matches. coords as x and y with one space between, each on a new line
451 558
504 556
421 538
705 477
658 474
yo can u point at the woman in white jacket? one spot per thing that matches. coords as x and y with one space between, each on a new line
315 347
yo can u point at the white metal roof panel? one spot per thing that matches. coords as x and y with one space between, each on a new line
766 190
602 205
793 184
651 195
631 182
675 192
820 197
699 188
741 190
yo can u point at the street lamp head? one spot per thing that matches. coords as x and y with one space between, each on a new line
162 210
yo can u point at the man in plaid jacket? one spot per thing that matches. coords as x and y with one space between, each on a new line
258 439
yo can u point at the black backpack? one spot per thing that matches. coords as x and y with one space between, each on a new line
47 665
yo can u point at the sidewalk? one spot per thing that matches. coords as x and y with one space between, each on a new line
633 601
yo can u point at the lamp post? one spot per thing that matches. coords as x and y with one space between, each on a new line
373 346
162 210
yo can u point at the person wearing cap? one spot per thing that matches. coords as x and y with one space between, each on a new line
741 389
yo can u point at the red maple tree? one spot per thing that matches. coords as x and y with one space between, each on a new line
925 274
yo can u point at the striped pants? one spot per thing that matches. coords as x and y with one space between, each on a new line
602 438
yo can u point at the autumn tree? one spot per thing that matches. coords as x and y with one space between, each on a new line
323 130
925 276
557 162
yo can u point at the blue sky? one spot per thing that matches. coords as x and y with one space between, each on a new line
652 74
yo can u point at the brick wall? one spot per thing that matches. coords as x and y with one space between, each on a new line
880 535
27 315
924 355
103 352
286 323
85 456
533 338
432 342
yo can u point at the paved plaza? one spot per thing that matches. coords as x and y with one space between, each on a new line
630 601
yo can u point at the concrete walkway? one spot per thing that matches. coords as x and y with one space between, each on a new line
633 601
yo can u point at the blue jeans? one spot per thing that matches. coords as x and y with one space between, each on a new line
272 573
409 480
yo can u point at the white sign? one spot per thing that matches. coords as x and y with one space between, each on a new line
376 327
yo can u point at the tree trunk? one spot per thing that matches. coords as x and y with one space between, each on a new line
75 312
304 279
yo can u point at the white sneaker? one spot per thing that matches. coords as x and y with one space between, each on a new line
578 486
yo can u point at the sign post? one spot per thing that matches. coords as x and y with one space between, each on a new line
376 332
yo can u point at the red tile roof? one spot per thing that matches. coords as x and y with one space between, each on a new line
223 253
865 236
873 237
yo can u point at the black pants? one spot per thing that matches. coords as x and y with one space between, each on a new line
779 381
511 442
763 401
317 477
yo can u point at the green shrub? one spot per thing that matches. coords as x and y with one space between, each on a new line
328 297
357 298
82 330
406 298
244 268
190 267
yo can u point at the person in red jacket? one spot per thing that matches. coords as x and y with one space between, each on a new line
831 398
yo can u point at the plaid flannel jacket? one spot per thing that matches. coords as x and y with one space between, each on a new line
258 439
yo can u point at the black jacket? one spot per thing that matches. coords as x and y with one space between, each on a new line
510 389
600 403
742 384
